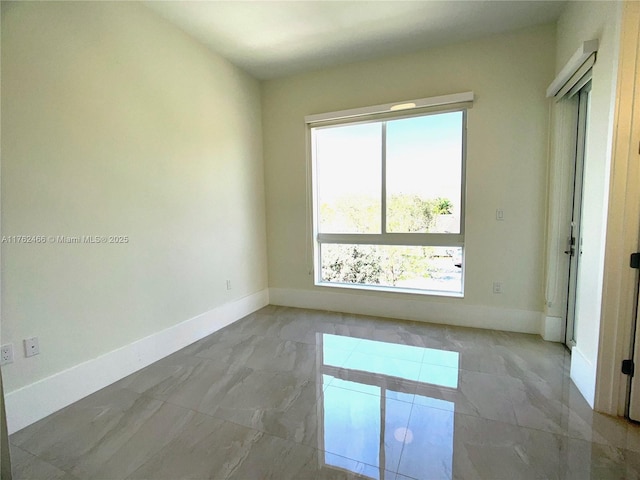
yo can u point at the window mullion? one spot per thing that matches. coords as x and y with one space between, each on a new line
383 189
417 239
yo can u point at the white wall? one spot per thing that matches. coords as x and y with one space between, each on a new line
114 122
506 168
584 21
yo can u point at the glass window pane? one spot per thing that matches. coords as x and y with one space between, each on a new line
408 267
349 178
424 174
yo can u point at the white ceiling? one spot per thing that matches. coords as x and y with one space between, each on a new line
276 38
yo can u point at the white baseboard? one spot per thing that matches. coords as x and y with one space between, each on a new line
44 397
583 374
551 329
477 316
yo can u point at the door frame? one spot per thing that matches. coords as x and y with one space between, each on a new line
623 224
574 242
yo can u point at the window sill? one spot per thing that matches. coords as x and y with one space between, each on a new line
410 291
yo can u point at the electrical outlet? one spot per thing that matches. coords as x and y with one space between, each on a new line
228 284
6 354
497 287
31 347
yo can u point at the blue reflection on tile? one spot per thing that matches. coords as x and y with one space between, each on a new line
425 365
355 386
445 358
434 403
350 465
335 357
391 350
392 367
352 425
429 454
439 375
340 341
369 425
352 429
396 420
400 396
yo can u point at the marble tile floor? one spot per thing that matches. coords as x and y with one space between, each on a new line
300 394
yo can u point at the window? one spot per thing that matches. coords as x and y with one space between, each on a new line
388 198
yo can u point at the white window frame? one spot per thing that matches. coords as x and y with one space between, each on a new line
380 113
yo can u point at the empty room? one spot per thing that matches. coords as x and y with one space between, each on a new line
391 240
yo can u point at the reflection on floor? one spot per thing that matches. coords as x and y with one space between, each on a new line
299 394
372 409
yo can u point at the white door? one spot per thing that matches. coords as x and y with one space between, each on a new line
574 242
